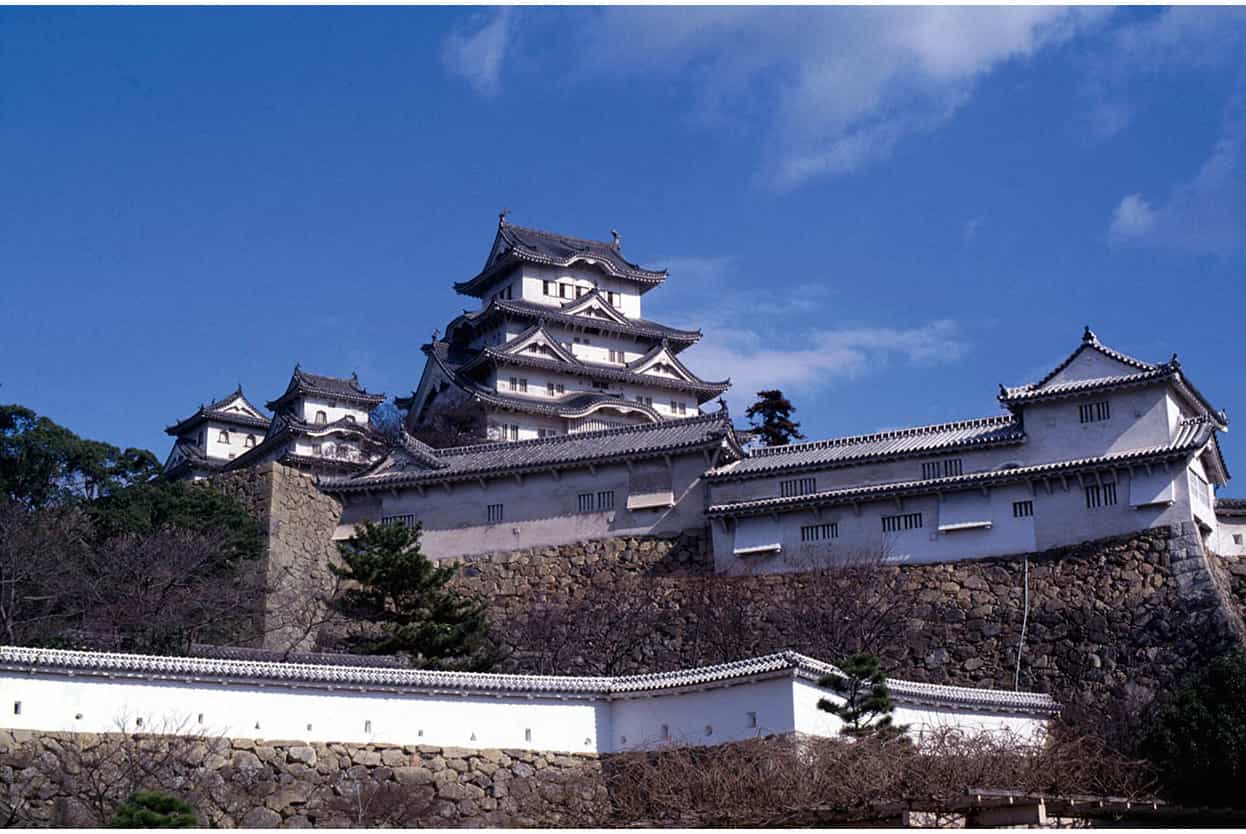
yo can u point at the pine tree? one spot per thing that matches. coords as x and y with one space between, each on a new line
866 710
149 809
776 427
408 598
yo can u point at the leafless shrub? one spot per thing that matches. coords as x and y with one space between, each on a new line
804 781
37 548
367 804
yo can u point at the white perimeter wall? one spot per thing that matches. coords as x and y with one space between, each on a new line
781 705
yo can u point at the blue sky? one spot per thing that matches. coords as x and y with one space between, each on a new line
885 212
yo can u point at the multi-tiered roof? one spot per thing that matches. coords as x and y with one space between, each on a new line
540 331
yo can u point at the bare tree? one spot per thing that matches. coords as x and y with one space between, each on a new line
368 804
36 548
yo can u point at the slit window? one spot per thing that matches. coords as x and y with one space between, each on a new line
818 532
1022 509
798 486
493 513
947 468
406 520
904 521
1100 495
1094 412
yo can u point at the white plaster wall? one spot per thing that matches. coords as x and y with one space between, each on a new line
1060 518
237 444
1223 539
1139 419
582 276
708 717
539 511
274 712
809 719
590 724
334 410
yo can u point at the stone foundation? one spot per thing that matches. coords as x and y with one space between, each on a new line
61 780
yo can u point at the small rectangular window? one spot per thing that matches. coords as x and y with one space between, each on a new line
905 521
17 707
818 532
798 486
1237 538
513 431
605 500
493 513
1094 412
947 468
1100 495
406 520
564 291
1022 509
547 287
585 501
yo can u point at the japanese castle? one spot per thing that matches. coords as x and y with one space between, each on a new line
572 417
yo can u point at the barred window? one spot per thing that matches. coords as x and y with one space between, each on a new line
1094 412
942 468
798 486
905 521
547 287
493 513
1100 495
1022 509
818 532
555 388
605 500
585 500
407 520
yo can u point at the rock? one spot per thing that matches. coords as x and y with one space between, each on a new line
367 758
413 775
523 771
394 757
302 754
246 760
298 821
260 817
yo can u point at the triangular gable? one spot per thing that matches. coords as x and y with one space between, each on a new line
236 403
593 304
1213 462
501 246
1093 360
550 348
661 362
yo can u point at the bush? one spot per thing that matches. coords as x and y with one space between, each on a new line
149 809
1197 740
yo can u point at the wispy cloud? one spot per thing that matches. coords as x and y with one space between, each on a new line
477 55
971 228
1205 214
813 359
762 340
832 91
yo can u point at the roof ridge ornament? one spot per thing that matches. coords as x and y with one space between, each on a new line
502 217
1089 337
616 240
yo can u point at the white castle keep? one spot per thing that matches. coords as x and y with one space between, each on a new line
581 422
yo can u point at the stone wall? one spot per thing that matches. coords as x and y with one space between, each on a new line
1110 623
62 780
299 521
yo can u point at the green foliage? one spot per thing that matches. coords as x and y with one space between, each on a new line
1197 739
867 707
401 591
775 412
43 464
150 809
142 509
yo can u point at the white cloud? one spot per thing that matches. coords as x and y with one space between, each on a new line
1132 219
971 228
832 90
478 56
821 357
1207 213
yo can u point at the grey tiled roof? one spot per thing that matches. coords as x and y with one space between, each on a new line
532 311
285 428
1146 372
192 459
215 411
569 406
1189 439
209 671
337 388
847 451
620 373
579 449
520 244
1231 507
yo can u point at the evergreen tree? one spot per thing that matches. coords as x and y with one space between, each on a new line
1197 738
149 809
866 710
776 426
408 598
